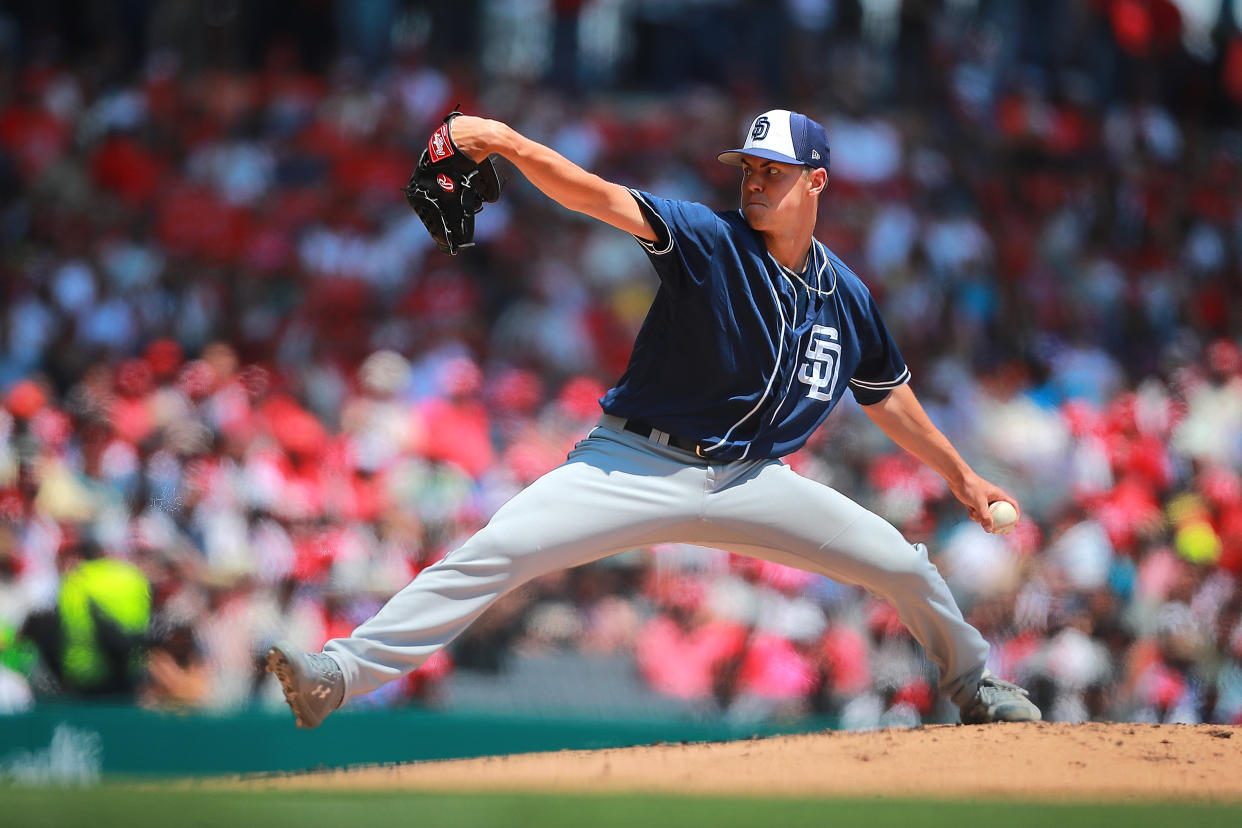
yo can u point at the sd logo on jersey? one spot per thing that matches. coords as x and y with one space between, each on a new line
820 371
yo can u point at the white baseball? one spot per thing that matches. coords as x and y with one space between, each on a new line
1004 516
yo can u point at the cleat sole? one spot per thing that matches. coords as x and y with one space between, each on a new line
278 665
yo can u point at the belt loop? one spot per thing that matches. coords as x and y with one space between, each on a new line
659 437
611 422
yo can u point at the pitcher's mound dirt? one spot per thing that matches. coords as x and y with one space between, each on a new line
1031 761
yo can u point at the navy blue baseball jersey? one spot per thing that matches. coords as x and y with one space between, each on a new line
740 353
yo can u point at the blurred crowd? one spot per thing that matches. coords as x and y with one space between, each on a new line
245 398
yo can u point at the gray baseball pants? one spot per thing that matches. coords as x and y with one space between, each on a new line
618 491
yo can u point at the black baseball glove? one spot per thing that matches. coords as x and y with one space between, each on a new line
448 188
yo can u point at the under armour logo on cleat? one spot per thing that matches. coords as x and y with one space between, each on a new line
321 691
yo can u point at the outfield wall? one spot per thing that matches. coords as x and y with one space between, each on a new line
79 742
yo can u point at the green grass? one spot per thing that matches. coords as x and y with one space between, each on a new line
128 807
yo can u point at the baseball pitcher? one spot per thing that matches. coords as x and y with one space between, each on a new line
756 332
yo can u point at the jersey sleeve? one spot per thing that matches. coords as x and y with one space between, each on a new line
687 234
882 367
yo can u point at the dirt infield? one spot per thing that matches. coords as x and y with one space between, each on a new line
1037 761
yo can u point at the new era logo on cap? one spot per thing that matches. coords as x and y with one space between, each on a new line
784 136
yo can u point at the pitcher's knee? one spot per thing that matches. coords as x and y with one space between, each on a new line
491 554
914 568
896 567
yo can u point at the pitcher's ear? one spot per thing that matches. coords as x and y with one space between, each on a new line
819 179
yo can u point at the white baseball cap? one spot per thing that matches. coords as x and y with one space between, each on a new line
784 136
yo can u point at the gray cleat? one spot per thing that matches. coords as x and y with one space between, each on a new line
999 701
312 682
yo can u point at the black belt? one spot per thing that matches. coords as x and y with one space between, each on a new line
644 429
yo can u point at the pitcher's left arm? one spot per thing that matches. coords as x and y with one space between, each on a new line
902 418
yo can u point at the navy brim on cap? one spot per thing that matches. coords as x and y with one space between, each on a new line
735 157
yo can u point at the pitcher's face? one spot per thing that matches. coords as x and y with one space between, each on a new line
775 194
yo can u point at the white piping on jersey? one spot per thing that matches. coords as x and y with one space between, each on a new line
651 211
797 344
819 280
819 274
881 386
776 369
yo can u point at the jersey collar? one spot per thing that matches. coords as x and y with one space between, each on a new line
819 282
